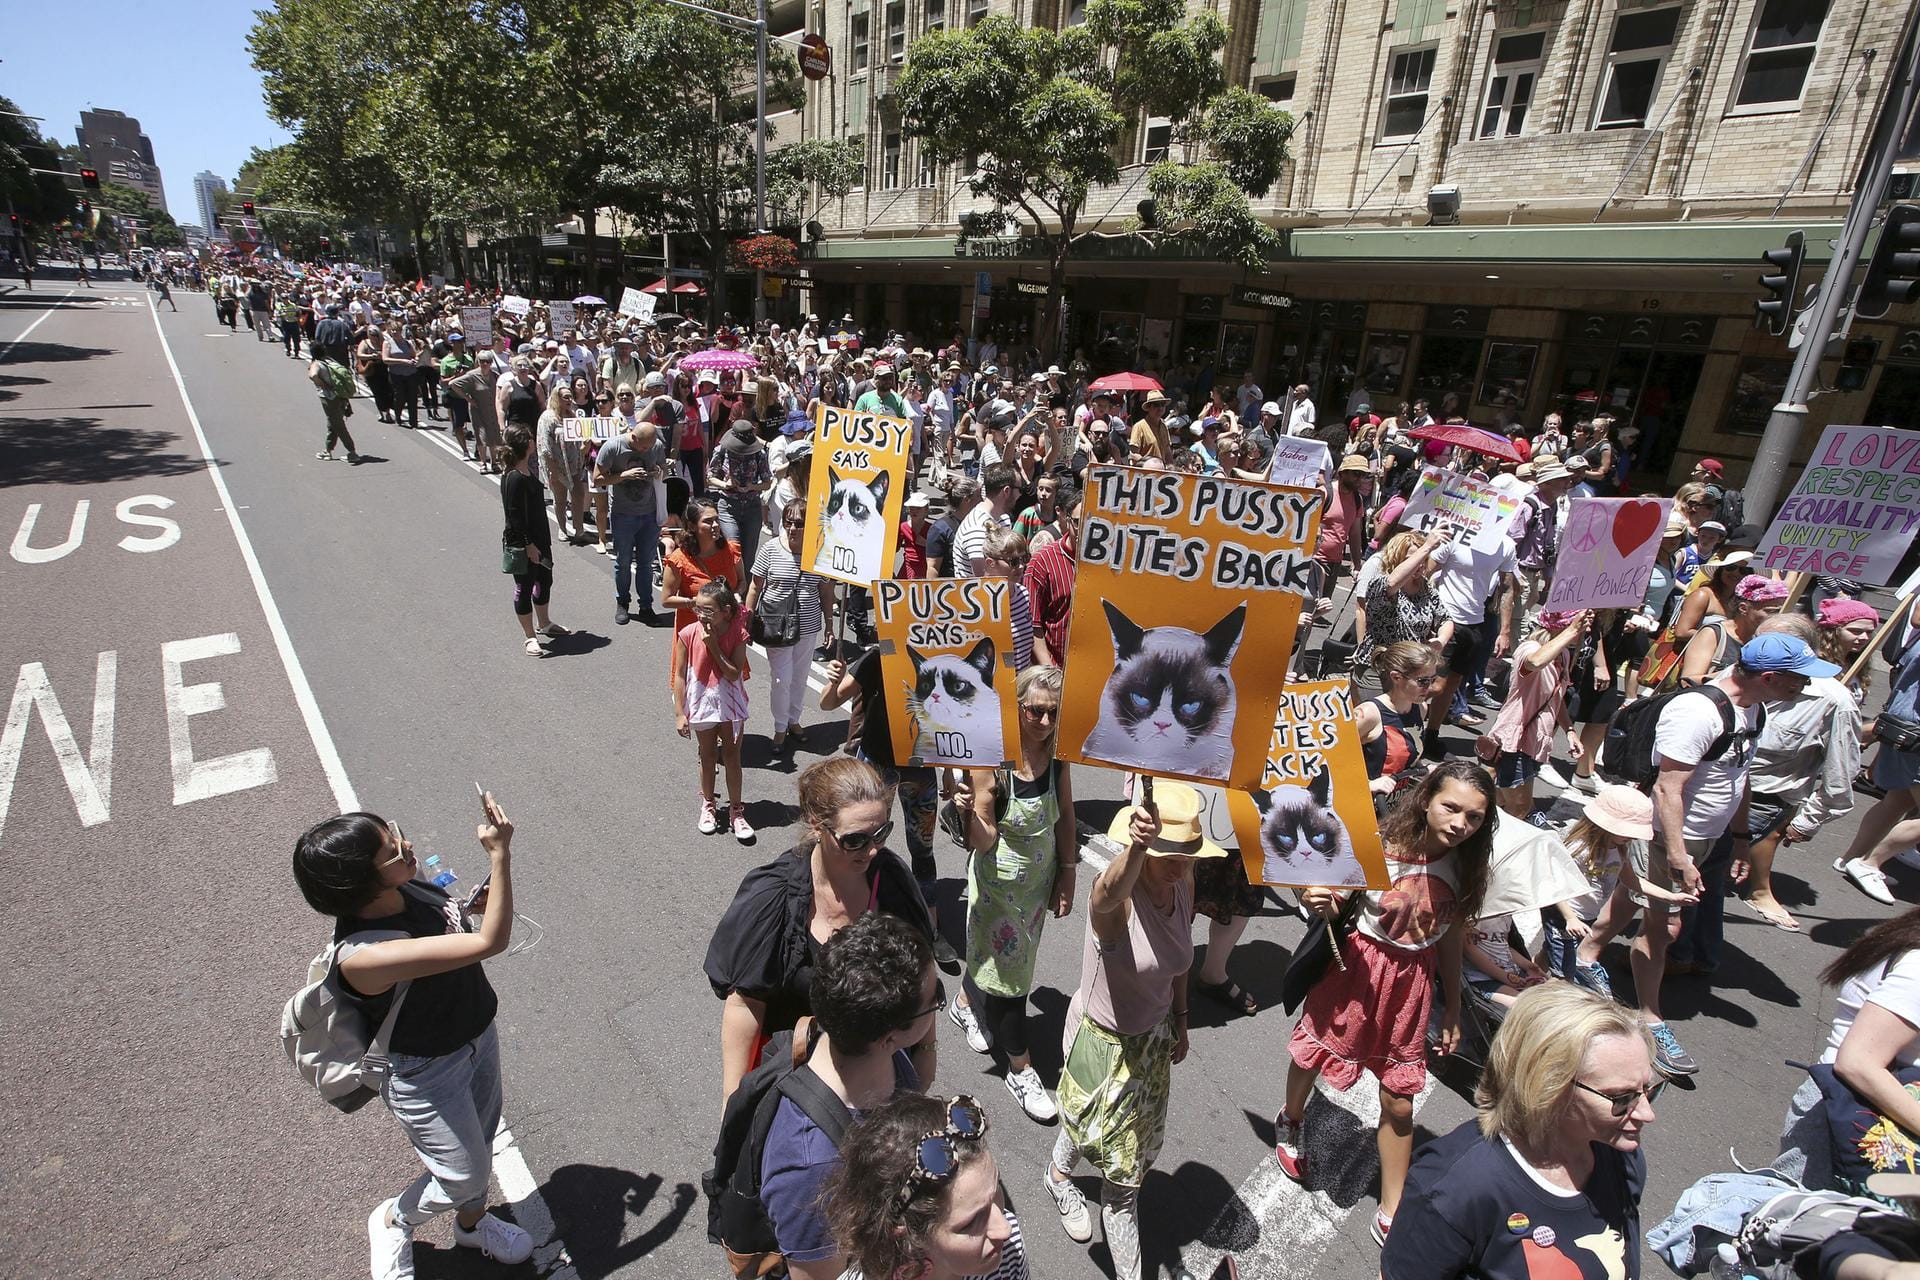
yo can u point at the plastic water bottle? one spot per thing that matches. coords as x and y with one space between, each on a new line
439 874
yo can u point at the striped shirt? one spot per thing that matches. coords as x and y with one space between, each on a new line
780 576
1049 591
1022 627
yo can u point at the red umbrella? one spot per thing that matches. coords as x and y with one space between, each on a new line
658 286
688 287
1124 382
1474 439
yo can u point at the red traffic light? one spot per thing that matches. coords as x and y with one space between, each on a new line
90 178
246 207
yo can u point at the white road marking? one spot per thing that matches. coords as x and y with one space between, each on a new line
25 553
40 320
90 781
204 779
509 1164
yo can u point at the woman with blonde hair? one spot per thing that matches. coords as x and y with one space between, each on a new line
1547 1179
761 959
1398 605
563 465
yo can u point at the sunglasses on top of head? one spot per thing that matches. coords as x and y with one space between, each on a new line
936 1158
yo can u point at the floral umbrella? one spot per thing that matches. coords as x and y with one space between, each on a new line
589 300
720 358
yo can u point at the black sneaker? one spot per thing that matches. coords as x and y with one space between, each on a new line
943 953
620 615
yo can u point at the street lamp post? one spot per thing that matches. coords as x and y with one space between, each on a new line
757 25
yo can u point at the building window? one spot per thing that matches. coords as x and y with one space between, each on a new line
1516 70
857 106
929 172
1076 13
976 10
1642 40
1159 138
1408 80
1786 35
860 150
896 30
936 14
890 162
858 38
1278 89
1756 388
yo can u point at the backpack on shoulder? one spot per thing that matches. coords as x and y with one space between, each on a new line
326 1035
1627 752
736 1219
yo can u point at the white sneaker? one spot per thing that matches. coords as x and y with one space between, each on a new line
1072 1204
742 829
709 818
1551 776
1032 1096
962 1017
1867 878
390 1244
535 649
497 1238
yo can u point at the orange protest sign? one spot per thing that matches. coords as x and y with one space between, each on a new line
1187 594
1310 820
857 494
946 663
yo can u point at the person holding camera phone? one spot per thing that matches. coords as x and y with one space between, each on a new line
444 1081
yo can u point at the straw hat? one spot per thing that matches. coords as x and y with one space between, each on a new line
1180 830
1623 811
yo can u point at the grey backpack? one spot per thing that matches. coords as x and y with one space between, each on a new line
326 1035
1790 1223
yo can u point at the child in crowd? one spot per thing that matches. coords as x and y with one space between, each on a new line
710 697
1608 842
1495 967
1522 735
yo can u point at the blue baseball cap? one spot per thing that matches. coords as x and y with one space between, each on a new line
1777 651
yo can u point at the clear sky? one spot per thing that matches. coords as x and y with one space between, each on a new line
181 70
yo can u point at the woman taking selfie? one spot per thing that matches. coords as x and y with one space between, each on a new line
443 1084
917 1196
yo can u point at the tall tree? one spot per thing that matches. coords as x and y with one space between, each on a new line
1040 115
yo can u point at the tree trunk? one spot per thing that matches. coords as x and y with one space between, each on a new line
1049 340
591 220
417 227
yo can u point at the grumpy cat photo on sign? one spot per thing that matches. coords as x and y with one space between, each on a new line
956 713
1169 705
853 525
1302 839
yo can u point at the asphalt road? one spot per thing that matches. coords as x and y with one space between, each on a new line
364 653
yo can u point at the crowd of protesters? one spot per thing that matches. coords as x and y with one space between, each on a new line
831 951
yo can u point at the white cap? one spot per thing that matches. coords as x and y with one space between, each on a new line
916 501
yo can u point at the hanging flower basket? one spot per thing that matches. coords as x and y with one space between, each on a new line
764 253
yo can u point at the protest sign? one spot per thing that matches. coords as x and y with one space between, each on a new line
1479 513
636 304
1188 593
946 664
1607 551
1309 820
476 326
1300 460
559 317
854 504
1853 510
515 305
373 279
577 429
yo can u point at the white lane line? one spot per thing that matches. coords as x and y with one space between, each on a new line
516 1181
8 349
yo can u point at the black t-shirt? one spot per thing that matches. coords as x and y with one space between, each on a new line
442 1012
940 544
1470 1209
763 946
876 732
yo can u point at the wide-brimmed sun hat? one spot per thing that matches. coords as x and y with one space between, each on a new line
1180 831
1622 811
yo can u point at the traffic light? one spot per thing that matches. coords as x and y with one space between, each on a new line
1855 364
90 179
246 207
325 243
1893 273
1781 282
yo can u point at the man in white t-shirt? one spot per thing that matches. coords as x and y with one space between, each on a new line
1700 794
1300 422
1463 579
1000 485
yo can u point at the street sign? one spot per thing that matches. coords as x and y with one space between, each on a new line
1247 295
816 58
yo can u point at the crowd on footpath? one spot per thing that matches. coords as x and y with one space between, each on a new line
1692 744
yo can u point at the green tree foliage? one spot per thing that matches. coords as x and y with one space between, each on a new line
158 228
40 199
1041 115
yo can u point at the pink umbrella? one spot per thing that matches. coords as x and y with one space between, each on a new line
719 359
1474 439
1124 382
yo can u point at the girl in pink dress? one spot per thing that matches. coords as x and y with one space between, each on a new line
710 697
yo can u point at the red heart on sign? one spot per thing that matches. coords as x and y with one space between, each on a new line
1635 523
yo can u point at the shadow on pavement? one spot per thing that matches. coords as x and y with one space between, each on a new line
21 300
82 451
9 381
1201 1200
594 1207
53 353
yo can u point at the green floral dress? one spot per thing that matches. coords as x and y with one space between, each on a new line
1008 887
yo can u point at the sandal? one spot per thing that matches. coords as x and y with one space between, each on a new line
1230 994
1784 921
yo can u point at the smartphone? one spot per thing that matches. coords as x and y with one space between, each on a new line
481 791
466 903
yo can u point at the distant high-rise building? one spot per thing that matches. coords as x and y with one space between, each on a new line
115 147
205 184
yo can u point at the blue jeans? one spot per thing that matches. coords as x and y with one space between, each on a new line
634 541
740 521
450 1107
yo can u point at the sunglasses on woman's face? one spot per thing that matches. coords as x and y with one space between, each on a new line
1624 1103
861 841
937 1156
